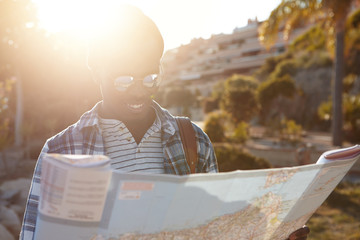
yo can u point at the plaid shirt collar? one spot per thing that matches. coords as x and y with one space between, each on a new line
90 119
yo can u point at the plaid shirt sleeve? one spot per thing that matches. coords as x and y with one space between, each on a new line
31 211
206 154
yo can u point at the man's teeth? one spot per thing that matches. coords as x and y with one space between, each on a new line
135 106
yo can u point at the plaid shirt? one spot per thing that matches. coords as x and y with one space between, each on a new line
84 137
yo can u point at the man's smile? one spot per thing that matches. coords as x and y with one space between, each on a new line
135 107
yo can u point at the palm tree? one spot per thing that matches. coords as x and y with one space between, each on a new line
332 14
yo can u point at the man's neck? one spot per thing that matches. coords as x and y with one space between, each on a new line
137 126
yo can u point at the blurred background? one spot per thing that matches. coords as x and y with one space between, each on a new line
273 84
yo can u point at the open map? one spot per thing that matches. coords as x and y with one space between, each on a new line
83 198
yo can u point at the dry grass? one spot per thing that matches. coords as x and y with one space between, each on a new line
339 216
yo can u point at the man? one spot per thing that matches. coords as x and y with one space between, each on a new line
127 125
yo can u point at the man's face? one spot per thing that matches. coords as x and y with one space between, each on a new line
135 101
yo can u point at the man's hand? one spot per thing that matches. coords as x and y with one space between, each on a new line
300 234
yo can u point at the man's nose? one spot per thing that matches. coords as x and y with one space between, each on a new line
138 89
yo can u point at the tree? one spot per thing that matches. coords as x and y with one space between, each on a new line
239 98
214 126
351 115
16 19
290 14
273 89
352 51
270 65
218 91
5 117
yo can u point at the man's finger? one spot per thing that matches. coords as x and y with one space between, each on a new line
300 234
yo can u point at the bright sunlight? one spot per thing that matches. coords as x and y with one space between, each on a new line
178 20
77 17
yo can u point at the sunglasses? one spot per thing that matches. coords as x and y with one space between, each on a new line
122 83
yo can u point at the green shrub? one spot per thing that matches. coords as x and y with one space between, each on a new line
238 81
240 104
214 126
241 133
273 88
286 67
239 98
351 105
290 131
269 66
324 110
231 158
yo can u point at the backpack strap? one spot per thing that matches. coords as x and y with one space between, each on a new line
187 134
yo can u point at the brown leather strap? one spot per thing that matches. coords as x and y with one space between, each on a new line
188 139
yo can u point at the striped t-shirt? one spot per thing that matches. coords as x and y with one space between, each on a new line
126 155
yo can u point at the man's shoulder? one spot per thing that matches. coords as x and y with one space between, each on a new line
200 134
166 116
70 133
73 133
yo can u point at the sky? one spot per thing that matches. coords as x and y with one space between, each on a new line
179 21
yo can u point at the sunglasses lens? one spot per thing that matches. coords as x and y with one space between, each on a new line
123 82
150 80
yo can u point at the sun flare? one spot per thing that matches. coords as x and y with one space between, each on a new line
78 17
178 20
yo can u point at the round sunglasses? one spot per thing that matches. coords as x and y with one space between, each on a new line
122 83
